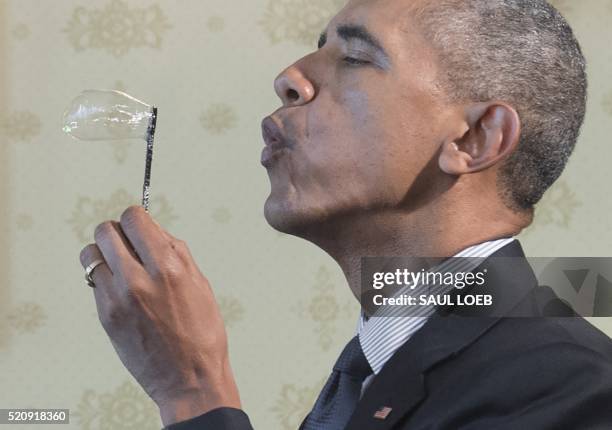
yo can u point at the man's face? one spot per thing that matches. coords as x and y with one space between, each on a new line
361 118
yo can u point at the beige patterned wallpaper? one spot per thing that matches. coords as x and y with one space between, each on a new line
209 66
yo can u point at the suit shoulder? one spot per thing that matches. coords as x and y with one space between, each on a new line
555 335
527 373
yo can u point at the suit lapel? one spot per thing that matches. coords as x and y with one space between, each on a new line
400 385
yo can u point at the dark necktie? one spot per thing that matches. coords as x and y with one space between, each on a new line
341 392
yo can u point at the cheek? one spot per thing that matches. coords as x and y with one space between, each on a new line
351 154
359 110
346 127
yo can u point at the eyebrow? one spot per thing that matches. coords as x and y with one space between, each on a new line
359 32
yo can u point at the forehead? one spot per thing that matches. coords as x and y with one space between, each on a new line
394 24
388 15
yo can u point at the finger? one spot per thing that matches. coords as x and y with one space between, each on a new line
119 255
92 253
125 241
102 277
146 236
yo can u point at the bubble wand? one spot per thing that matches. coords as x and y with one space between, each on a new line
146 188
113 115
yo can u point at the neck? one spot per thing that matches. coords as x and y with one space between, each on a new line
428 232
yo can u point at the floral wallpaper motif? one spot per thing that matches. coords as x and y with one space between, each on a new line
221 215
325 309
298 21
120 149
294 403
21 31
219 118
20 126
89 212
26 317
24 222
116 28
556 208
231 310
216 24
125 408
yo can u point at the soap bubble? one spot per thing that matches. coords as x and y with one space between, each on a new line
107 115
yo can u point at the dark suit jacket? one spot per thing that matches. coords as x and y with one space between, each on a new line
471 369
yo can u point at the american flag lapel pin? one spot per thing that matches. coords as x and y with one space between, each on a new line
383 412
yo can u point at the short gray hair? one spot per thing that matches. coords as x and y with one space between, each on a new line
522 52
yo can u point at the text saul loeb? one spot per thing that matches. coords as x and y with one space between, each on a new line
434 300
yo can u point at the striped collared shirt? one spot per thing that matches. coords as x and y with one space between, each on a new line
380 337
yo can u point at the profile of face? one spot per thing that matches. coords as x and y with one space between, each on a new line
362 118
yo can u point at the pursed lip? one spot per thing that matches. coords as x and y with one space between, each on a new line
275 142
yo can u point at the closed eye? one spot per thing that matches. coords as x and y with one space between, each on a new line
354 61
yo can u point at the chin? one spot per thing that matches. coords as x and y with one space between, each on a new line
291 219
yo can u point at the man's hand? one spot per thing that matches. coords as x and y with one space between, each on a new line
161 316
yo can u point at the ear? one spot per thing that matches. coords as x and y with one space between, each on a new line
493 132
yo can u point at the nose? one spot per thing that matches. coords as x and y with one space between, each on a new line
293 88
